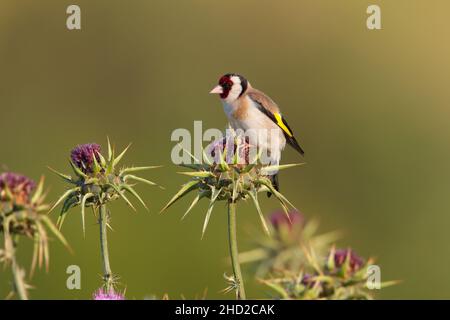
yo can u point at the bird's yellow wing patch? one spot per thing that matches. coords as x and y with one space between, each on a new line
282 125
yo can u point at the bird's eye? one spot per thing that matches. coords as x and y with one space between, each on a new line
227 85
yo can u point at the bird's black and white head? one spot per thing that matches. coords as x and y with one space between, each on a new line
231 87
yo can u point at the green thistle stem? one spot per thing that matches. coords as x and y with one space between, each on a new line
234 253
18 277
107 273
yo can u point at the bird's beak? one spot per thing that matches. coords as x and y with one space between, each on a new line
217 90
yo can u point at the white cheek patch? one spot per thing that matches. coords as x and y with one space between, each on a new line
235 90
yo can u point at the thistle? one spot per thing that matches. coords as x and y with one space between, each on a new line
96 182
230 174
23 215
342 275
282 249
101 294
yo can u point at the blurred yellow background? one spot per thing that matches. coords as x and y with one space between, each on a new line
371 109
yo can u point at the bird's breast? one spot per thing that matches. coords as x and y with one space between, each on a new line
228 108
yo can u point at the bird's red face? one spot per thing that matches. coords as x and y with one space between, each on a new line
226 84
231 86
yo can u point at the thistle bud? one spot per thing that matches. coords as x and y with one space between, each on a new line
340 258
308 280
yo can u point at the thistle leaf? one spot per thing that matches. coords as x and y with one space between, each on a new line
38 193
8 242
77 170
248 167
102 159
257 158
206 158
110 167
40 252
44 244
7 191
97 167
277 194
65 177
199 174
330 261
236 156
386 284
234 190
139 179
56 232
190 154
346 267
83 205
122 195
120 156
215 194
254 196
196 199
136 169
65 195
42 207
135 194
194 166
68 204
267 184
276 287
223 163
185 189
35 254
110 151
280 196
268 169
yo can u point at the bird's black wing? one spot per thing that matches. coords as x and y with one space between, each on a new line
278 119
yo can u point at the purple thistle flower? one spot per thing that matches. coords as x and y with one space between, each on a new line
19 185
278 219
83 156
101 294
308 280
340 256
228 144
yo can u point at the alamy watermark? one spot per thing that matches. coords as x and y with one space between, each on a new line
373 22
73 281
373 277
73 21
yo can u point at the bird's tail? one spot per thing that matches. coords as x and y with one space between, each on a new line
275 183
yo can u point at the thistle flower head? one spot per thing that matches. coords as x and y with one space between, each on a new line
317 280
293 220
231 175
16 187
83 156
102 294
24 213
308 280
232 147
348 258
282 250
98 180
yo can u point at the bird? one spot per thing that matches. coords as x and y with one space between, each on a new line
249 109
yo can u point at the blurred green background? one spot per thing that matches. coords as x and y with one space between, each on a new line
371 109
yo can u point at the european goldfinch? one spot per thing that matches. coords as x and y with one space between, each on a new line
250 109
